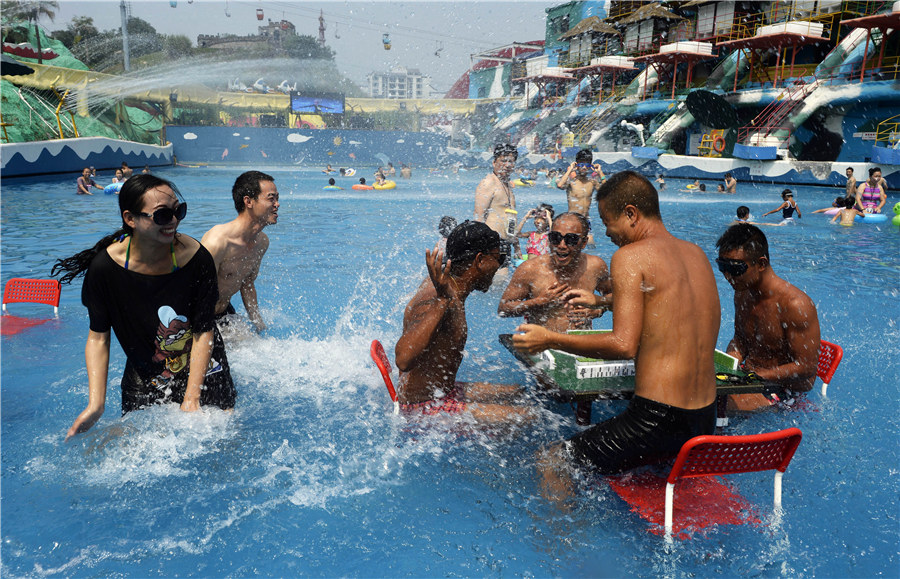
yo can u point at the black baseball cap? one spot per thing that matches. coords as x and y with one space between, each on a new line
470 238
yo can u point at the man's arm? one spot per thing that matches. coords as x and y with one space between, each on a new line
484 194
563 181
628 310
419 326
248 288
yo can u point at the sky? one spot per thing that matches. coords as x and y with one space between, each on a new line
354 30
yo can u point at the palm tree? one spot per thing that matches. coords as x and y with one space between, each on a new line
31 11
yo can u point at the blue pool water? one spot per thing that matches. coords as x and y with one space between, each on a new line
312 475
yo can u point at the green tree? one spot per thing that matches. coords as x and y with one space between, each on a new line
31 11
177 46
305 47
83 28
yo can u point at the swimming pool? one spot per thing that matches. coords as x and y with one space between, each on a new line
312 475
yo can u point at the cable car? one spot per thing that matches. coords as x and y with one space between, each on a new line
386 40
259 13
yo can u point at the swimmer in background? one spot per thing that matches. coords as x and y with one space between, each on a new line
787 208
119 178
390 170
720 188
84 183
743 216
430 350
495 201
847 213
328 169
580 188
405 171
379 176
851 183
730 183
870 196
661 182
838 203
238 246
537 243
331 183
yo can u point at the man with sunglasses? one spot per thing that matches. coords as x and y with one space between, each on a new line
579 185
665 316
430 350
238 246
539 287
495 202
776 326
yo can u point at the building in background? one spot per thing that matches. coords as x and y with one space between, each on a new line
399 83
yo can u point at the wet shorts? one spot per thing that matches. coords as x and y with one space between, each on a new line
647 432
221 318
453 403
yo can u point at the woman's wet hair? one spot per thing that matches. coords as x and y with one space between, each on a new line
131 199
743 212
446 225
744 236
629 188
786 193
839 201
848 202
874 170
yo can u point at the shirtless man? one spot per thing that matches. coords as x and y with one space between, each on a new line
495 203
540 285
238 246
851 183
776 327
730 183
430 350
580 189
665 316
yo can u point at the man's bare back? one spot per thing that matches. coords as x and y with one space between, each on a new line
434 369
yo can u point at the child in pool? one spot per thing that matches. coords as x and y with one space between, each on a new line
838 203
847 213
537 243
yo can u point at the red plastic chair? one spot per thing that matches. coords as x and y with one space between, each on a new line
38 291
830 356
718 455
384 366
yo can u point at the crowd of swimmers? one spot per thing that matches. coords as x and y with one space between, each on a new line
165 294
87 181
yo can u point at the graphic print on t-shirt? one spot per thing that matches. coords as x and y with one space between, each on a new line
173 341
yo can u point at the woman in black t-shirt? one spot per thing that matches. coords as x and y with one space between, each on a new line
156 289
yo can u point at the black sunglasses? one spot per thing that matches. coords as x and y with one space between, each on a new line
164 215
555 237
733 267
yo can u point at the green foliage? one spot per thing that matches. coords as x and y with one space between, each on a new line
306 48
177 46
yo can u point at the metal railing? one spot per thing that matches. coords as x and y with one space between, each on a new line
888 131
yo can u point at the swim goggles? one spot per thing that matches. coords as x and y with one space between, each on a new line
584 166
555 237
732 267
164 215
749 378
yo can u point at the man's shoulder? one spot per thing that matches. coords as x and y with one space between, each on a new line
594 261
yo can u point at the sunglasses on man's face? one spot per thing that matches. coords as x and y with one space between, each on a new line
164 215
555 237
732 267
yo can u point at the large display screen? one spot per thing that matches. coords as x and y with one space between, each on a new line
317 103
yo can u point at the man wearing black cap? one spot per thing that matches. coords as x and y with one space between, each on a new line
495 203
429 352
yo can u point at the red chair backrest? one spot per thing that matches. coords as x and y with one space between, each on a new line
716 455
384 365
829 357
39 291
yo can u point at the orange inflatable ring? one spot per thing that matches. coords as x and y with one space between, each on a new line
360 187
719 144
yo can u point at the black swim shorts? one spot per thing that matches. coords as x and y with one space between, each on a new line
647 432
221 318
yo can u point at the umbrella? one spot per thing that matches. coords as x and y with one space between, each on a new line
711 109
12 67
